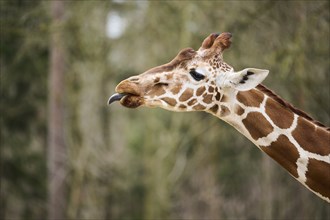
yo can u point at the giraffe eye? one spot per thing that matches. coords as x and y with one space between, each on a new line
196 75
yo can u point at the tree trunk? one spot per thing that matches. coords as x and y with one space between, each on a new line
57 153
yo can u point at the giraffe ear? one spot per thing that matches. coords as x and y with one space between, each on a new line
243 80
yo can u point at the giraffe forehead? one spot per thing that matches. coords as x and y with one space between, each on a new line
164 76
182 76
179 68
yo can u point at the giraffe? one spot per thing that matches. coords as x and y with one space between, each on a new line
201 81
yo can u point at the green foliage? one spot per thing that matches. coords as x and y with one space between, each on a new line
24 59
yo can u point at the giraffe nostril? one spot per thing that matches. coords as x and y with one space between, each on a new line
134 79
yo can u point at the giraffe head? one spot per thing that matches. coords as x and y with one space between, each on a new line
193 81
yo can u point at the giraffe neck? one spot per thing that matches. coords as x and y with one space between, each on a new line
298 144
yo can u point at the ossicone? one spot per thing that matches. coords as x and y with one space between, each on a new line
216 43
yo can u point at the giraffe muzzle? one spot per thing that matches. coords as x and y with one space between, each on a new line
128 93
126 99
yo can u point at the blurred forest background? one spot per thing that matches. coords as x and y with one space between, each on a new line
60 61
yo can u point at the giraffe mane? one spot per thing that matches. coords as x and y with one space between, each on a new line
289 106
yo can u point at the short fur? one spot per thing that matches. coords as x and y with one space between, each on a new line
303 114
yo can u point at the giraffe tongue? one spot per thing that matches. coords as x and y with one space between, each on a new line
116 97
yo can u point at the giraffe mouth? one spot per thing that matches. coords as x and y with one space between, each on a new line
126 99
116 97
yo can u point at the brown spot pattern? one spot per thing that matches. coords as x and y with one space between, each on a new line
271 94
176 89
157 91
191 102
285 153
224 98
257 125
214 109
170 101
252 98
318 177
239 110
187 94
200 91
199 107
224 111
208 99
281 116
182 106
311 138
218 96
211 89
